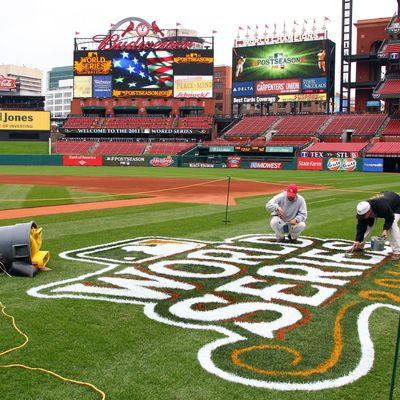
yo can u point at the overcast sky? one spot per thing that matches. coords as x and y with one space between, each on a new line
40 33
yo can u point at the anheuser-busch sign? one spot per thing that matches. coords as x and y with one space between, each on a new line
138 34
267 301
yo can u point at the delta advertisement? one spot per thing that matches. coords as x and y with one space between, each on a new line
24 120
147 73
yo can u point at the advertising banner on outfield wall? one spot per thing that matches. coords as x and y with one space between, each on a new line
265 165
373 165
83 161
279 149
200 165
128 161
233 162
160 161
316 164
328 154
341 164
221 149
11 120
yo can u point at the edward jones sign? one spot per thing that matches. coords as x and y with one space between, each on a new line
25 120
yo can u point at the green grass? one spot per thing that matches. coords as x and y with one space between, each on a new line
130 356
24 148
26 196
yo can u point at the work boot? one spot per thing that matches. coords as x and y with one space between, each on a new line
291 240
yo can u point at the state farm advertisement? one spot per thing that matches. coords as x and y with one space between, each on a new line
83 161
265 165
316 164
282 86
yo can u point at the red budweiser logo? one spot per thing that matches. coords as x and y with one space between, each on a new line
161 162
7 83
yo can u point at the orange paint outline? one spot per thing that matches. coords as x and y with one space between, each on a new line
323 367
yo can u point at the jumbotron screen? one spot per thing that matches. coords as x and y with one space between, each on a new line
151 73
284 68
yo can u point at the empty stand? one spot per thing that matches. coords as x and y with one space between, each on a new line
196 122
382 149
391 86
392 128
138 122
169 148
73 147
300 124
391 47
251 127
362 127
120 148
80 122
360 124
286 140
334 147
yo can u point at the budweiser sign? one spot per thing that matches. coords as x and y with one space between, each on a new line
6 82
138 34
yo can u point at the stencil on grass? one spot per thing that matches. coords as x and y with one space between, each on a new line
253 291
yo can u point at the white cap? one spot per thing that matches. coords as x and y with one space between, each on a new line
363 207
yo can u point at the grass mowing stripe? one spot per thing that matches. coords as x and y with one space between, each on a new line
13 196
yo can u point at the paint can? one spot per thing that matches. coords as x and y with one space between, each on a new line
378 243
286 229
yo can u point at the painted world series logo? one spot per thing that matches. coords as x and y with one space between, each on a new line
290 316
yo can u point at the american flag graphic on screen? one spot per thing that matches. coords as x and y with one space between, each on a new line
137 69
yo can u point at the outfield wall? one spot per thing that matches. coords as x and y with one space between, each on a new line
294 163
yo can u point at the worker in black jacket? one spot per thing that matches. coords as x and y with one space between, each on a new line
384 205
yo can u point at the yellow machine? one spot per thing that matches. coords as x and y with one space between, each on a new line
20 249
39 257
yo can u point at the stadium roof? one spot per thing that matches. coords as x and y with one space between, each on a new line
382 149
125 108
390 88
328 146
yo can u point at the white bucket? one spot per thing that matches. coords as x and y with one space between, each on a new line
377 243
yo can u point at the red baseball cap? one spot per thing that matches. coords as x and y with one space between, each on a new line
292 191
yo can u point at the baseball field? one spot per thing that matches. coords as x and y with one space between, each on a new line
165 283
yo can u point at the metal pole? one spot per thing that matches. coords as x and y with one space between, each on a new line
396 355
227 201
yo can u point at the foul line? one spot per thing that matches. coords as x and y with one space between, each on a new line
118 195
